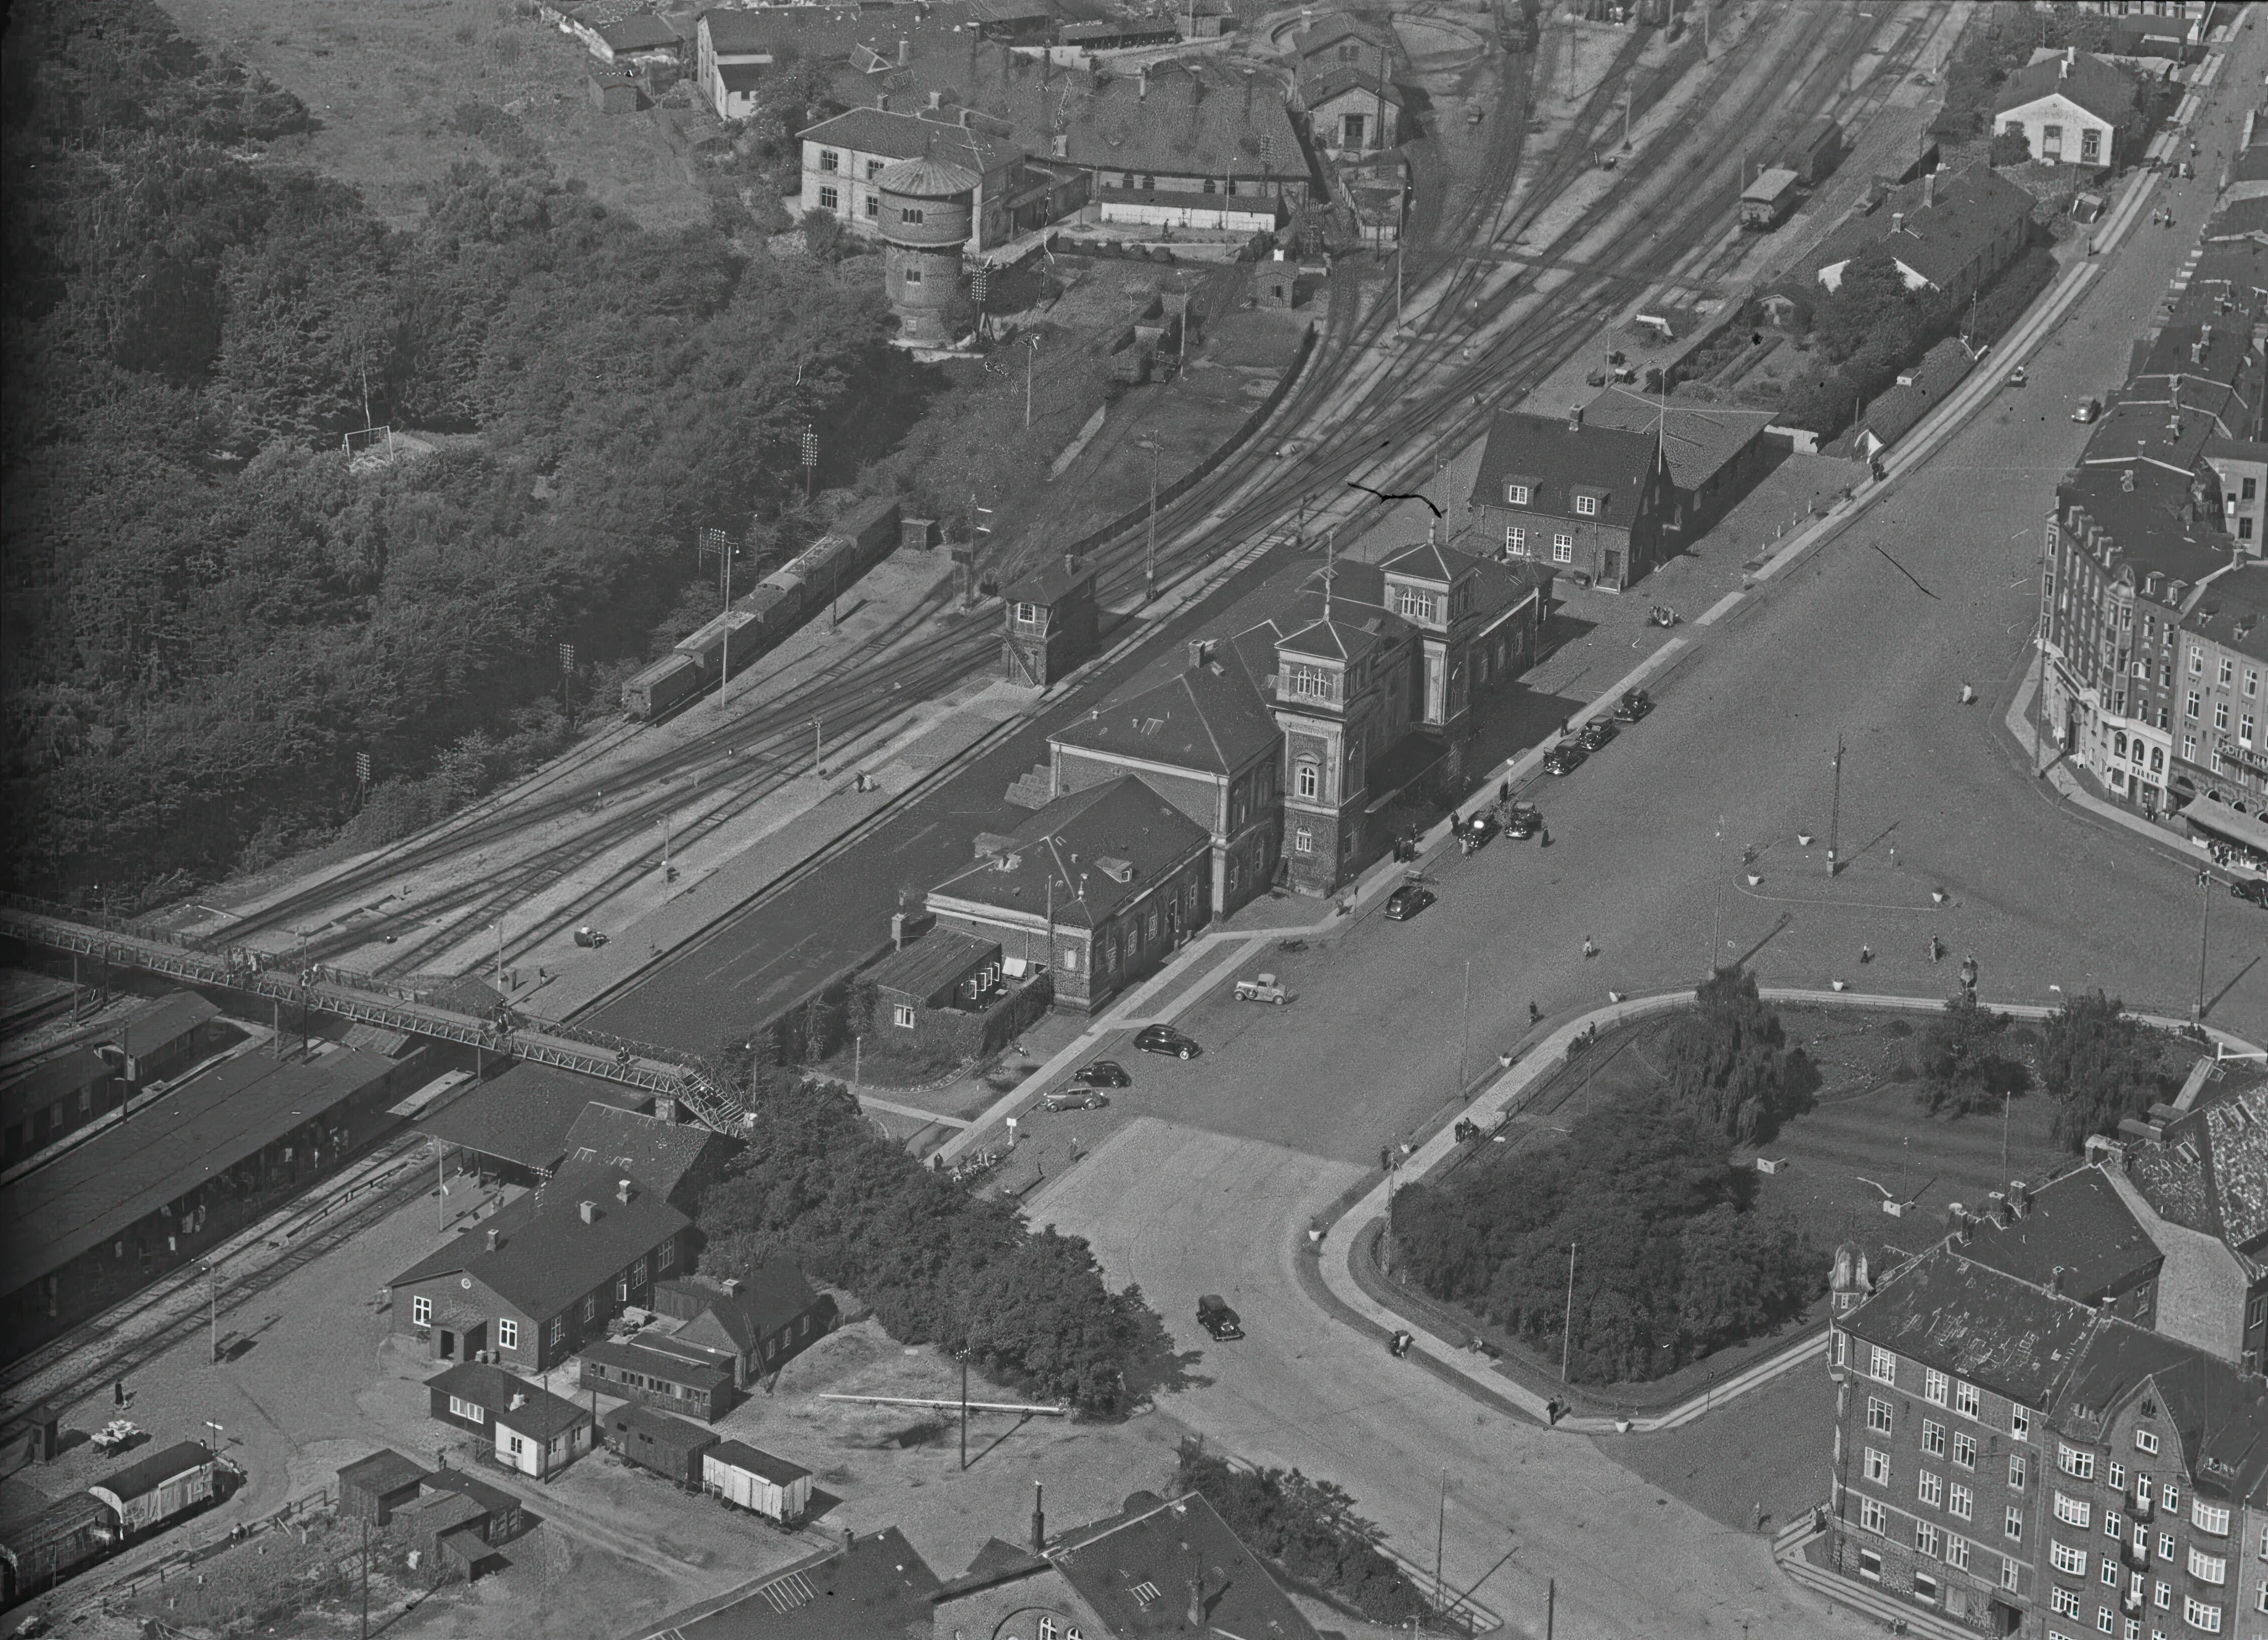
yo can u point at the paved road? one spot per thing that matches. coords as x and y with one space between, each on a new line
1210 1193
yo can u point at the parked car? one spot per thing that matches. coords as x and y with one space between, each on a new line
1215 1316
1563 759
2087 411
1074 1099
589 937
2255 889
1596 733
1634 704
1103 1073
1475 832
1163 1039
1264 988
1523 819
1407 901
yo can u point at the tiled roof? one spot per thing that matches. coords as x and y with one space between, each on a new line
2218 1414
1698 438
2103 89
1893 413
2076 1225
998 1561
1337 81
896 135
1971 1320
876 1588
1211 717
1197 120
1555 460
938 959
656 1152
524 1115
1060 848
1152 1544
540 1413
546 1257
2210 1171
1936 240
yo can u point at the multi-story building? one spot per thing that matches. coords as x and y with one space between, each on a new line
1311 705
1592 502
1944 1378
2223 749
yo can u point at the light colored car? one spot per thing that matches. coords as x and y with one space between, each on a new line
1264 988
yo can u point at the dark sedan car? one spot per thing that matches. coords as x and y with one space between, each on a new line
1635 704
1525 819
1103 1073
1563 759
1075 1099
1596 733
1407 901
2256 891
1163 1039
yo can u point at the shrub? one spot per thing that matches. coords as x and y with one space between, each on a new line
1730 1064
1307 1528
2101 1066
1964 1070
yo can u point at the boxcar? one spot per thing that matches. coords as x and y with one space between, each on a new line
757 1481
162 1487
60 1539
661 685
656 1441
707 645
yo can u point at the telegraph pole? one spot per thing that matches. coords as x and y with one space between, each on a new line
818 747
1835 811
2204 903
1150 574
964 1407
1441 1531
1567 1328
1031 353
212 1293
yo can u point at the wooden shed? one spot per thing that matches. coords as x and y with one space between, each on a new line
757 1481
656 1441
373 1488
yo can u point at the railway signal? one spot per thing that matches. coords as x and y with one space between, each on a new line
810 460
361 777
566 679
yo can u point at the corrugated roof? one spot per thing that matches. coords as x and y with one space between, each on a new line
546 1257
1060 846
1971 1320
2075 1223
940 958
102 1186
2103 89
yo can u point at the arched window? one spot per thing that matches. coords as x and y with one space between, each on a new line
1308 780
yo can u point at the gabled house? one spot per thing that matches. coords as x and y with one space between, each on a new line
676 1160
763 1320
1951 234
1717 452
2068 108
1591 502
531 1430
1101 886
548 1270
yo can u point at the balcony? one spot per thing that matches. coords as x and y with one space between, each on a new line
2140 1509
2134 1555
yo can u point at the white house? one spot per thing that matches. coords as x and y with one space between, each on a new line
2067 108
730 51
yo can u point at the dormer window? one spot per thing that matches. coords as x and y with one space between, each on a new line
1309 682
1587 506
1516 495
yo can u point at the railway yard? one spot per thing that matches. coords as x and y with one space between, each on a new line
735 834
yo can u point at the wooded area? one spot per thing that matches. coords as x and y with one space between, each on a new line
938 1263
1674 1257
209 610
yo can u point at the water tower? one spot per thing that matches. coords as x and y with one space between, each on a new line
928 210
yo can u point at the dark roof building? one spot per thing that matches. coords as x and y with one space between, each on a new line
373 1488
931 971
2086 81
1918 391
694 1382
1954 233
874 1587
2073 1235
1975 1323
1589 501
674 1159
519 1121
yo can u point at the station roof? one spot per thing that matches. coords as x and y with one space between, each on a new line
525 1115
166 1148
657 1153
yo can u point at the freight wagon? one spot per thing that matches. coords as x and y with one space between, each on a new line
656 1441
54 1543
780 605
757 1481
159 1489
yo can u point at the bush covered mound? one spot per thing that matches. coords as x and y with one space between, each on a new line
1674 1258
1308 1529
938 1263
208 613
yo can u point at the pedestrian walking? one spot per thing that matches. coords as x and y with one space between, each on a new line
118 1394
1589 950
1535 1014
1504 792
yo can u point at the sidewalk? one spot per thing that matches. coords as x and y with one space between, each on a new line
1337 1241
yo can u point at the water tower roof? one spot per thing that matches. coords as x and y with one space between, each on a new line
928 179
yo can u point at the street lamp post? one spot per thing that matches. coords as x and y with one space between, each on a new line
2204 903
1567 1328
1150 573
1031 353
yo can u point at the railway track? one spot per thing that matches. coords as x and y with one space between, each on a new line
745 759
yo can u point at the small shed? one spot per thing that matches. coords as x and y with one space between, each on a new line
613 89
1054 624
757 1481
505 1511
373 1488
656 1441
163 1485
438 1516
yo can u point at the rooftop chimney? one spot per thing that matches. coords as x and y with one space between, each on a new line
590 1212
1200 652
905 51
1999 1211
897 930
1897 222
882 101
623 1191
1071 564
1929 188
936 99
1059 145
2055 1279
518 1400
2020 1197
1575 420
2070 62
1039 1520
493 1241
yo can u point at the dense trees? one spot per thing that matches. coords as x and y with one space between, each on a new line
1674 1259
938 1263
209 611
1307 1528
1963 1070
2101 1066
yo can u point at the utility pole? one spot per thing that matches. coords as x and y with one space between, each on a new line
1835 811
1465 1028
2204 903
440 1188
1567 1328
1441 1531
1552 1585
964 1406
1150 573
498 926
1032 352
818 747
